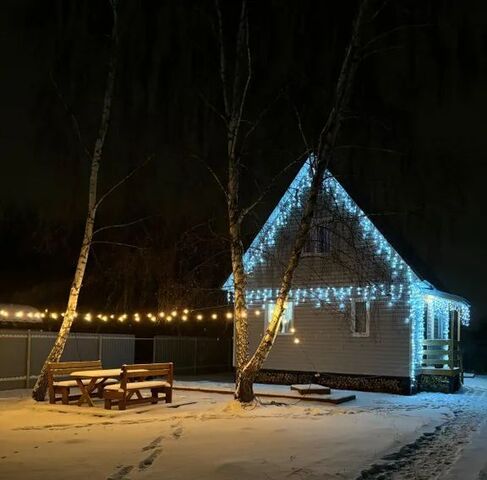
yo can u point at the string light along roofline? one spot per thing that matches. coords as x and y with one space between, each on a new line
295 197
406 283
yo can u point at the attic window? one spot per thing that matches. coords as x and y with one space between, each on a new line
360 317
287 320
319 239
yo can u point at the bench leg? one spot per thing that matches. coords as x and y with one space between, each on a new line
65 396
154 397
108 404
122 403
169 396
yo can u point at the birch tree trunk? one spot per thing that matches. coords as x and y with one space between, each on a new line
234 98
245 379
39 390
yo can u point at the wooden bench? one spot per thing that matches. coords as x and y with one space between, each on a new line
139 377
57 372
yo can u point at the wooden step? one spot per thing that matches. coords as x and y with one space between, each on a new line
311 388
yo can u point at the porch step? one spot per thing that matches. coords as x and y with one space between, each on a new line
311 388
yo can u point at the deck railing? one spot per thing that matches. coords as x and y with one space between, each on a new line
442 354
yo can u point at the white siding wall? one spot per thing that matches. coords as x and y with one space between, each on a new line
326 343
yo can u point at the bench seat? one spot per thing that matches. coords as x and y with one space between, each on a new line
134 379
139 385
59 386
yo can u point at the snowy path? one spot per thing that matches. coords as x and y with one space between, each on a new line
455 450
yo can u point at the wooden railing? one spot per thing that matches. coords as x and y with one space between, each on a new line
442 354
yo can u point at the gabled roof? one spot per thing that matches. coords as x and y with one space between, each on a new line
294 197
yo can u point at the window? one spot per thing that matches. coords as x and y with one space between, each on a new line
319 238
360 318
287 319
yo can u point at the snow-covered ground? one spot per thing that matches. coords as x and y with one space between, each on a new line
208 436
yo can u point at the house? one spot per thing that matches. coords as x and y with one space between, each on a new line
359 316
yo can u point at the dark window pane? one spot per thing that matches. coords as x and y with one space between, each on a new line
360 317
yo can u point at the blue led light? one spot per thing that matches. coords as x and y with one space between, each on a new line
405 286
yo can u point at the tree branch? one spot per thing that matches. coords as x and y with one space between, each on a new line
261 115
245 25
391 31
269 187
213 173
223 73
74 120
375 149
123 225
119 244
213 108
300 127
122 181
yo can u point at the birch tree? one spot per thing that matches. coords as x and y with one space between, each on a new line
235 91
39 390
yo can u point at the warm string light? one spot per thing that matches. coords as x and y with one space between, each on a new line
186 315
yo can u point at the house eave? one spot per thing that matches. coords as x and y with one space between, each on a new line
428 289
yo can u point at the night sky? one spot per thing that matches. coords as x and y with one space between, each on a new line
412 153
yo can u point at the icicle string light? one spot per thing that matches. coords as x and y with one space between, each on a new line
406 286
327 295
295 198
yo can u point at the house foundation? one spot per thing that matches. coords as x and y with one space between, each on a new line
366 383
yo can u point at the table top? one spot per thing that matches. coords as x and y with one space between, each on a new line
102 373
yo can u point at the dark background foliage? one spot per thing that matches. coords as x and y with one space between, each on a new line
412 152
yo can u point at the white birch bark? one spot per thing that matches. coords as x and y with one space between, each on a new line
39 390
327 141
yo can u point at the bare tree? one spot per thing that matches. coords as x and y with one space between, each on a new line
39 391
234 101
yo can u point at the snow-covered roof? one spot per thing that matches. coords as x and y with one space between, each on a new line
296 195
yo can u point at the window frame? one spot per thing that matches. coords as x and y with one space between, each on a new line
315 225
356 334
267 317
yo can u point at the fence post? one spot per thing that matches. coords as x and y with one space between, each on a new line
100 347
27 359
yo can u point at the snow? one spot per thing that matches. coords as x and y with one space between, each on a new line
209 436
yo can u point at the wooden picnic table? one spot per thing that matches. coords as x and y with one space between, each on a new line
98 379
